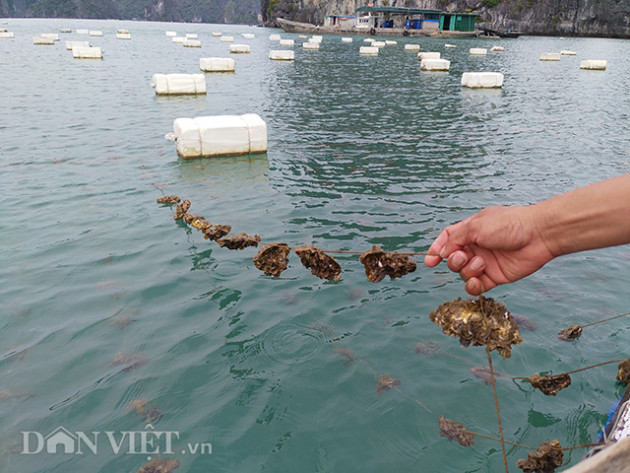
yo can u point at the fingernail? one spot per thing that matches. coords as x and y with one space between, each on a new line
458 259
476 264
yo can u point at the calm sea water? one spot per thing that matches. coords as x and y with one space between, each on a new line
362 151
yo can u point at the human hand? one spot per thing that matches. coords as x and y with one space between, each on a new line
496 246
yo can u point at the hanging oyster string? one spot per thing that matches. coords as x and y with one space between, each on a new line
575 331
273 258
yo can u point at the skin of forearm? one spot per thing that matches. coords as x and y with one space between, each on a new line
595 216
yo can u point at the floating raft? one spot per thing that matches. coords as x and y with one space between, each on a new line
179 84
220 135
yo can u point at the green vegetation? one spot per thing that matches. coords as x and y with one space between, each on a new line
490 3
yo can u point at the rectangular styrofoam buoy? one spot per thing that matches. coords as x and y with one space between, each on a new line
550 57
450 46
170 34
240 48
368 50
82 31
227 39
248 35
316 38
593 64
220 135
282 55
274 37
390 42
477 51
485 80
7 34
53 36
178 39
216 64
310 45
192 43
287 42
192 36
435 64
566 52
497 48
123 35
79 52
378 44
346 39
65 30
95 33
368 40
178 84
122 30
81 44
43 41
428 55
412 47
216 34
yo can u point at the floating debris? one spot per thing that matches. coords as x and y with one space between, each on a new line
215 232
385 383
429 348
322 265
131 361
623 374
160 465
148 412
169 199
181 210
347 353
524 323
549 384
480 322
484 373
379 263
455 432
239 242
571 333
272 259
547 458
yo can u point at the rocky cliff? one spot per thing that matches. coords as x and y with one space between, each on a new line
199 11
607 18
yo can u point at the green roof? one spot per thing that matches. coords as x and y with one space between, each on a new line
410 11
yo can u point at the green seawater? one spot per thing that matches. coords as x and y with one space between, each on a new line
105 299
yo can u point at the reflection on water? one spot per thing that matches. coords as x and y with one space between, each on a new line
109 300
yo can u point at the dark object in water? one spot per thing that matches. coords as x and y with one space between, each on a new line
272 259
623 374
524 323
168 199
347 353
148 412
160 465
239 242
200 223
322 265
385 382
547 458
379 263
215 232
549 384
484 373
571 333
455 432
429 348
181 210
480 322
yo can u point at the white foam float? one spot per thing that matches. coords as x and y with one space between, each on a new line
95 33
178 39
179 84
550 57
7 34
346 40
477 51
450 46
216 34
482 80
41 41
123 35
192 43
248 35
310 45
227 39
594 64
566 52
390 42
274 37
192 36
220 135
412 47
240 48
428 55
287 42
79 52
497 48
83 31
217 64
53 36
378 44
438 64
281 55
170 34
368 50
80 44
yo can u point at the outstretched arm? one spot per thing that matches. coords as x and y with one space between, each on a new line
504 244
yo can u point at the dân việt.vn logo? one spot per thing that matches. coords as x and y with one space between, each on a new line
128 442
